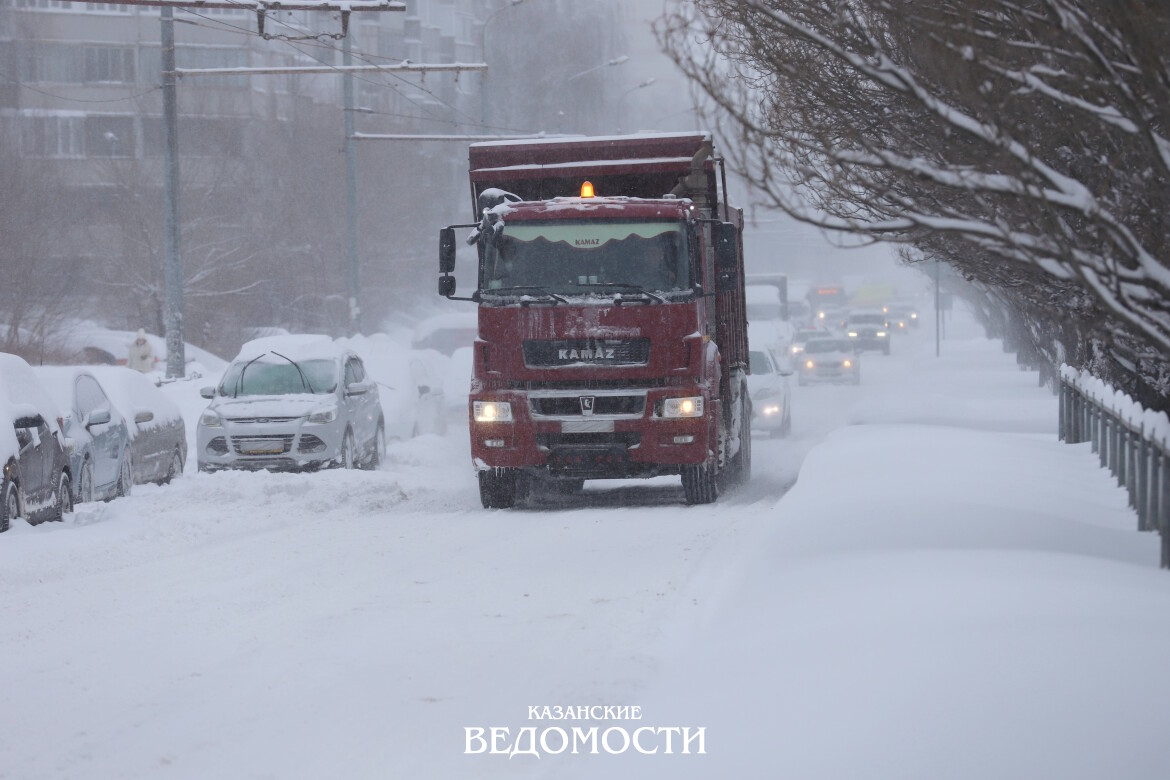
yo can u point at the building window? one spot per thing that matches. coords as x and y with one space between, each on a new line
58 4
109 136
51 136
109 64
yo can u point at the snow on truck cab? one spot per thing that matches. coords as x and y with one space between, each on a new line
612 330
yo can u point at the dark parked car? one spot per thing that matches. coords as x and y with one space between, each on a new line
158 436
97 434
37 483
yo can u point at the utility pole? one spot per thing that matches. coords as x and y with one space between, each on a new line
355 312
173 270
937 314
176 354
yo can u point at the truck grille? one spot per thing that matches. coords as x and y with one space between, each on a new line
574 352
571 405
589 440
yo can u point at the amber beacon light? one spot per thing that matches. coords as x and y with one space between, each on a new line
587 190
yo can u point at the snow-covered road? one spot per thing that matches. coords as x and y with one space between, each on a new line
352 624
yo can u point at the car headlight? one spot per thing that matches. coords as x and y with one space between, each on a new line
808 364
852 334
210 419
492 411
771 410
796 349
913 316
848 364
881 334
323 416
683 407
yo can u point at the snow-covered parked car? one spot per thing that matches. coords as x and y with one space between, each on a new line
768 387
97 433
290 403
388 362
37 483
829 360
158 435
441 365
93 344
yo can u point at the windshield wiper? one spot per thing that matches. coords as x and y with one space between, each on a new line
622 286
304 379
240 379
523 289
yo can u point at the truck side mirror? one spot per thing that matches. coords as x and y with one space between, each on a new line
446 286
447 250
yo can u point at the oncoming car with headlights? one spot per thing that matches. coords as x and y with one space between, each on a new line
292 403
829 360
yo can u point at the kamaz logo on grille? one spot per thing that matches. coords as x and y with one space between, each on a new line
586 405
600 353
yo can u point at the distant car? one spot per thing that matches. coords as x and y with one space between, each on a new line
158 435
830 318
37 483
802 337
292 403
829 360
768 387
900 318
869 330
97 434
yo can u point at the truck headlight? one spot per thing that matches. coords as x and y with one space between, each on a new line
323 416
210 419
491 411
683 407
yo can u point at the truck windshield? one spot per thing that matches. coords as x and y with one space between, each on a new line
583 257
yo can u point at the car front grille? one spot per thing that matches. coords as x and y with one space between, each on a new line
260 420
276 444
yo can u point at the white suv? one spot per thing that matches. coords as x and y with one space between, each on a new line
292 403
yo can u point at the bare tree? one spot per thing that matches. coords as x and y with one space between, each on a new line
1025 142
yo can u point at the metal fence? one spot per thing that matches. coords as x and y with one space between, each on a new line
1141 464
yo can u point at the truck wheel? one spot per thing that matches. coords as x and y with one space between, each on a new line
499 488
700 484
741 464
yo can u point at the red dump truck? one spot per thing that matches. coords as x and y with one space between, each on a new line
612 334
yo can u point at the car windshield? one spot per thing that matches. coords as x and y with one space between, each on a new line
818 346
269 378
761 363
867 319
808 335
575 258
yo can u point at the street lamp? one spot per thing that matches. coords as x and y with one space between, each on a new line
615 61
622 98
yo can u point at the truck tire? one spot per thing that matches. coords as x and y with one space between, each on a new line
700 483
499 488
740 472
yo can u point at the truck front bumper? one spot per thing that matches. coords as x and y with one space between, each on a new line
637 442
